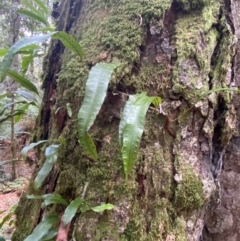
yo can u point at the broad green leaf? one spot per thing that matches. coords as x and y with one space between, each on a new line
25 42
19 117
49 199
30 6
125 114
69 42
2 239
51 158
53 198
96 89
29 49
26 62
22 81
71 210
10 115
3 52
33 15
103 207
50 235
42 228
133 126
42 5
27 95
32 145
3 95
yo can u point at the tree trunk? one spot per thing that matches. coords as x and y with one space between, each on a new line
184 185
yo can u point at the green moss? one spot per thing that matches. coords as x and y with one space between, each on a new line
196 39
189 5
189 192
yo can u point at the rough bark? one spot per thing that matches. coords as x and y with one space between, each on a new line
184 185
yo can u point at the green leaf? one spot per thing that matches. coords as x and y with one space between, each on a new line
88 145
95 94
30 6
42 5
69 42
132 126
51 158
37 16
156 102
26 62
19 117
27 95
126 113
103 207
25 42
49 199
22 81
53 198
84 207
42 228
8 216
3 52
32 145
46 29
2 239
71 210
50 235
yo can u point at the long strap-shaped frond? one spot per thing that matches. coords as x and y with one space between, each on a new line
131 128
96 89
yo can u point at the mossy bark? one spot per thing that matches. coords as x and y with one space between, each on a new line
178 50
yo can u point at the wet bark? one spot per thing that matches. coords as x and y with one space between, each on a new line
184 185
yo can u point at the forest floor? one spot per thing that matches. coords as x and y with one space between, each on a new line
11 190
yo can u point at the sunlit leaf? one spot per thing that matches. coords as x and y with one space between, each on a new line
32 145
42 228
3 52
71 210
96 88
156 102
103 207
51 158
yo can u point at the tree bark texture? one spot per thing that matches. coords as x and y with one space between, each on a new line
184 185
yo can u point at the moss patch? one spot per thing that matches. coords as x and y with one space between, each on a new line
189 192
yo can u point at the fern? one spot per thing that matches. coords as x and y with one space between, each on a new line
96 89
131 128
